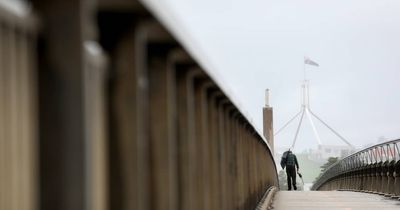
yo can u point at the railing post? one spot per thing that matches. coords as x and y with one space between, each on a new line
96 66
18 108
63 145
385 178
374 177
397 178
162 109
391 178
370 179
213 138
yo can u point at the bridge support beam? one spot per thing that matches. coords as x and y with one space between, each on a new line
268 124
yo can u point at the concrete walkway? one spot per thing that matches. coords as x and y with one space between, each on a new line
332 200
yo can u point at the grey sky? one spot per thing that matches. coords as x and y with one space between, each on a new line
258 44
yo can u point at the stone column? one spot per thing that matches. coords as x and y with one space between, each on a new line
268 122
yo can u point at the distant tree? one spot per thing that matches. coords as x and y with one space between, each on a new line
330 162
324 167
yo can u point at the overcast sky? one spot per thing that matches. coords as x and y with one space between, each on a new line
258 44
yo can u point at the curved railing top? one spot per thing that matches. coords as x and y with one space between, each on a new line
165 15
379 153
18 14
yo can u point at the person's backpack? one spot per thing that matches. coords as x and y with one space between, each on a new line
290 160
284 159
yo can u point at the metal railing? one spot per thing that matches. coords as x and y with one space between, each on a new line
104 106
374 169
18 97
180 142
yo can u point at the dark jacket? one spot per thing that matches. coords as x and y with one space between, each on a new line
291 160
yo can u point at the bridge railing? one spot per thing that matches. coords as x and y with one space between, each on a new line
375 169
18 96
107 105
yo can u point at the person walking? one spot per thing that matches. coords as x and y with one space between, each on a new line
292 166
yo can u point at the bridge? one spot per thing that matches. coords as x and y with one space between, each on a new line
109 104
367 179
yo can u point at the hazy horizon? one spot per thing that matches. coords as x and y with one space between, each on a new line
260 44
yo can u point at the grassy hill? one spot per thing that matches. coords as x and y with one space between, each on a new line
308 168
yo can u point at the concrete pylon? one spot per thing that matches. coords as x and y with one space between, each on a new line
268 130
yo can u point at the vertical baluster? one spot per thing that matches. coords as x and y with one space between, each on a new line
3 144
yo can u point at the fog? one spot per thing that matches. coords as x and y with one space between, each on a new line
259 44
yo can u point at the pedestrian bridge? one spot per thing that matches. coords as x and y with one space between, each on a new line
367 179
109 105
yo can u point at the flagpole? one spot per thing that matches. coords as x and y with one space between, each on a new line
304 88
304 69
306 110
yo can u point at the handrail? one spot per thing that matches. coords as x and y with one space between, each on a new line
19 14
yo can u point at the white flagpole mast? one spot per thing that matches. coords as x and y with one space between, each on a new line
306 105
303 105
309 113
304 69
305 109
313 127
298 129
291 120
333 131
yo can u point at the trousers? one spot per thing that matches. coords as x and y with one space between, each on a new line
291 177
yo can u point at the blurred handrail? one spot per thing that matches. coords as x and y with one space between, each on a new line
18 14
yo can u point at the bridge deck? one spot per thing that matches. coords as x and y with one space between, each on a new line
332 200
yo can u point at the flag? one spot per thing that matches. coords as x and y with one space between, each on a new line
310 62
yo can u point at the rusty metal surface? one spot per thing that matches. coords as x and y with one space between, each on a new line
332 200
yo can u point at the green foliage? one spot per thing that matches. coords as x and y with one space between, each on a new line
324 167
330 162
